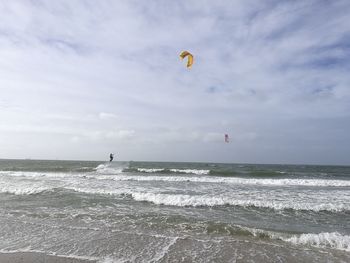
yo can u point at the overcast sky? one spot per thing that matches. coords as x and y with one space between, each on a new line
81 79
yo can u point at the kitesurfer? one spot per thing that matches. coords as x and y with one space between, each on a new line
227 138
111 157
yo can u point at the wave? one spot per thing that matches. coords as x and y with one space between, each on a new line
190 171
247 172
238 180
333 240
211 201
181 200
56 169
150 170
108 168
105 172
213 172
27 189
323 240
168 171
40 175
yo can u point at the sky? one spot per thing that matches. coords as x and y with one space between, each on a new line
81 79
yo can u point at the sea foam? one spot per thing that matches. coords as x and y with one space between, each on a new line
332 240
199 176
322 240
24 189
210 201
237 180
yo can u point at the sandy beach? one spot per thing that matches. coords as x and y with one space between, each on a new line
37 257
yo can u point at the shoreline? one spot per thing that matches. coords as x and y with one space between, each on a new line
40 257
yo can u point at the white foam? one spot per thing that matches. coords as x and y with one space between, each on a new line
40 175
332 240
22 174
23 189
190 171
149 170
102 166
203 200
161 254
323 240
108 168
238 180
182 171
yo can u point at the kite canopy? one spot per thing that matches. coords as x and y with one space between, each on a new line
189 56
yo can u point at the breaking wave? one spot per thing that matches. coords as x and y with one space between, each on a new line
238 180
211 201
168 171
215 171
108 168
322 240
181 200
333 240
27 189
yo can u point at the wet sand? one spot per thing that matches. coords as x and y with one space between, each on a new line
37 257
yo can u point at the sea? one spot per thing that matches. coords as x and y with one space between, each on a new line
176 212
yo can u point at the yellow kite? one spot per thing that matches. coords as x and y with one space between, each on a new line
190 57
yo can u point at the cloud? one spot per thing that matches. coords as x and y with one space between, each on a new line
109 72
107 116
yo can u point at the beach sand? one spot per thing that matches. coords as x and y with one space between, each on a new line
37 257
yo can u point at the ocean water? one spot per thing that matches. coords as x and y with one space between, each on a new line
176 212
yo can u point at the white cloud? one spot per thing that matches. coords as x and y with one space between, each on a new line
107 116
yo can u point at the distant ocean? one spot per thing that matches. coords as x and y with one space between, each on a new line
176 212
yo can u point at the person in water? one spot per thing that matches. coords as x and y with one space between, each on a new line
111 157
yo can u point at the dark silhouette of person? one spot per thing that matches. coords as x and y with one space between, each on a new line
111 157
